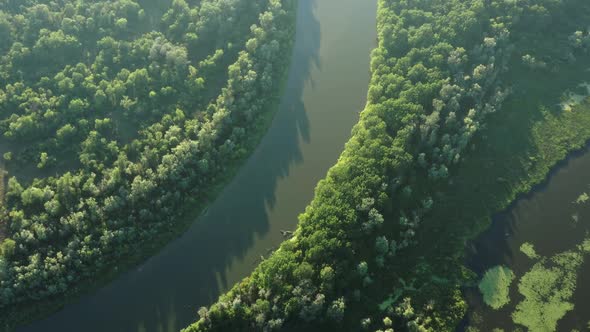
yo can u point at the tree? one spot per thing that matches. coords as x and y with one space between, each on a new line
91 83
121 24
14 190
5 32
77 106
336 309
8 247
362 269
56 45
35 196
43 159
381 245
327 275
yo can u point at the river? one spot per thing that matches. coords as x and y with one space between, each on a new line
326 89
551 220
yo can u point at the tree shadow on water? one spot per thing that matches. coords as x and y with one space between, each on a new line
165 292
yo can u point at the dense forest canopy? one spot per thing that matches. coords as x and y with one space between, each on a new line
116 115
437 78
113 114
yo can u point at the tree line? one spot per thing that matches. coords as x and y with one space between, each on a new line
436 80
125 109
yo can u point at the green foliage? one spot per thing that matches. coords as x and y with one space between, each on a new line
7 248
495 286
131 116
387 321
437 78
337 309
529 250
583 198
547 289
365 323
43 160
362 269
382 245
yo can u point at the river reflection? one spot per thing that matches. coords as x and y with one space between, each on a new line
326 88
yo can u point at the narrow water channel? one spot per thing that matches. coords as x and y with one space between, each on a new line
552 219
326 89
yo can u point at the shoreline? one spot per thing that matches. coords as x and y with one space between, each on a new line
498 217
24 313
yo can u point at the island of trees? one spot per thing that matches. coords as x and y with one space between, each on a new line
452 132
114 115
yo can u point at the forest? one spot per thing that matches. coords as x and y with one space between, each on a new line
382 245
118 116
114 117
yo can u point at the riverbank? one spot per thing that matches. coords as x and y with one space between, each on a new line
551 219
321 104
378 183
194 207
523 144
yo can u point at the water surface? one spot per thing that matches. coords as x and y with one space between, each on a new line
550 219
326 89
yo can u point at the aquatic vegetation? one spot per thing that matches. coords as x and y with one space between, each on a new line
583 198
495 286
547 289
573 99
529 250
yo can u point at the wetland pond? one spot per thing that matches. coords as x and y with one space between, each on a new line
534 261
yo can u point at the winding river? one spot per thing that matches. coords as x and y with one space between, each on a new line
326 89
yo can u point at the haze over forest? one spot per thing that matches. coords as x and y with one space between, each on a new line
154 154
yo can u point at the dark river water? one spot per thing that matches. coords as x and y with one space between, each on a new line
326 89
546 218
